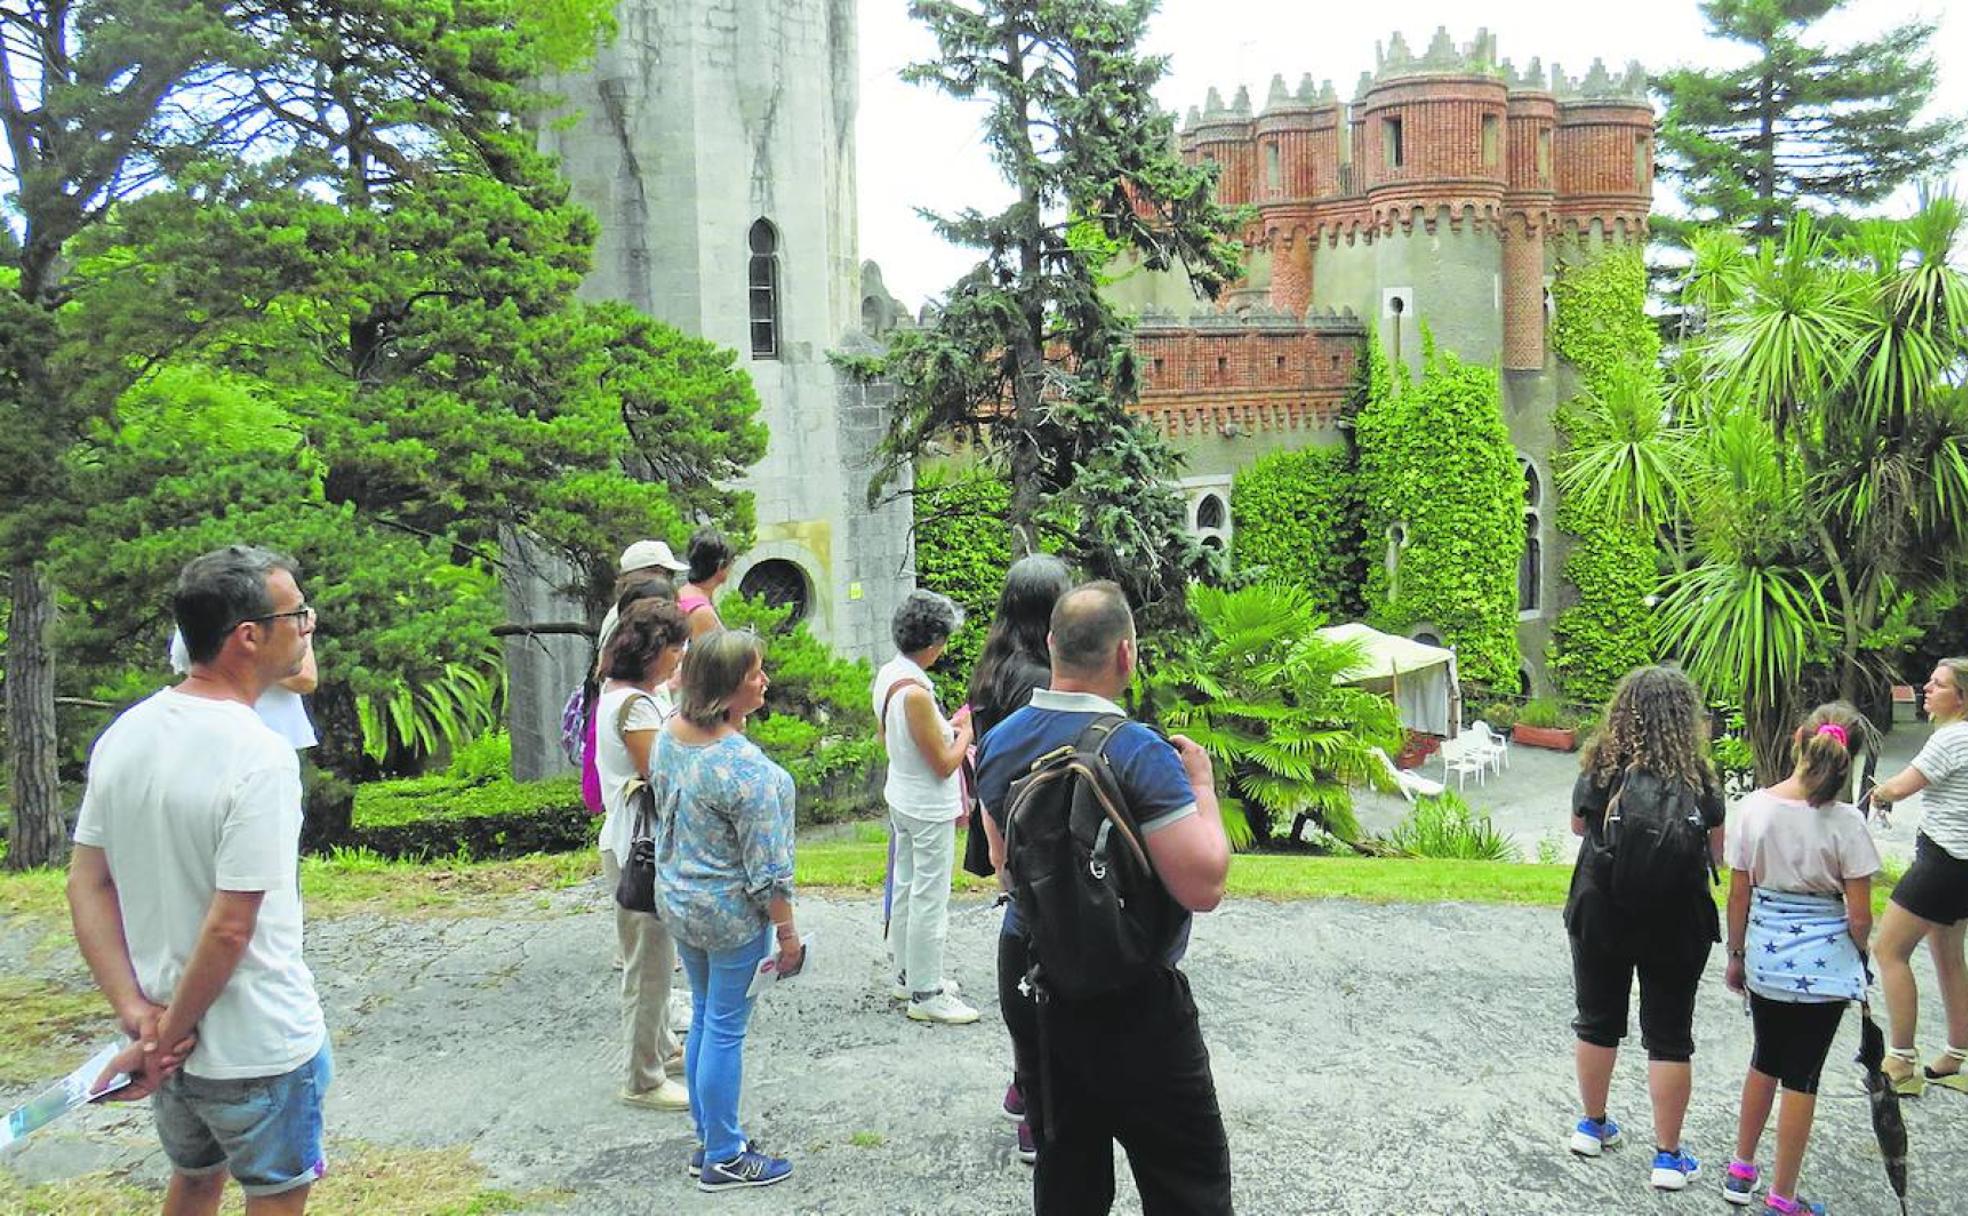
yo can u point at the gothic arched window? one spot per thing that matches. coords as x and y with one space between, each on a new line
1530 567
1209 512
763 284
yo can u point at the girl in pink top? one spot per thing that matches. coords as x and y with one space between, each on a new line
1800 915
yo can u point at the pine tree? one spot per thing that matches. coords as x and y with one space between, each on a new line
1024 353
1801 125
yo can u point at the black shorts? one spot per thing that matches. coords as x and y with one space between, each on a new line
1793 1038
1670 969
1935 887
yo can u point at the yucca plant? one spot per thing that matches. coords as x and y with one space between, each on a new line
1255 688
1445 826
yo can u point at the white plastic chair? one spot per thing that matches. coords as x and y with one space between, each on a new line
1460 758
1493 747
1411 784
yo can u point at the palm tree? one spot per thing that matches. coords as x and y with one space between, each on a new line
1849 502
1255 688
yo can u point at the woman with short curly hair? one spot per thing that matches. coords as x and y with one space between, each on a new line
1647 765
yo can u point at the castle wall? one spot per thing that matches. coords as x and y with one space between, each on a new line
1450 185
1449 280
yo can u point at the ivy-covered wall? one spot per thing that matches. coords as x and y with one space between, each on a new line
1600 299
1297 523
1442 501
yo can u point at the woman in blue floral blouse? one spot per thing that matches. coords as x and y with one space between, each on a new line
724 886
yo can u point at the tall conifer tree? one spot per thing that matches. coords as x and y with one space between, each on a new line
1801 124
1024 352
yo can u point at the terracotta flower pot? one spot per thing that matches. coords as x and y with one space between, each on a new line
1545 736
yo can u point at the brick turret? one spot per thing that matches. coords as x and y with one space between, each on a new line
1443 196
1527 203
1223 134
1431 135
1448 137
1603 153
1297 161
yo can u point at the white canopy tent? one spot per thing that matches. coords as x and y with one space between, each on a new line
1420 679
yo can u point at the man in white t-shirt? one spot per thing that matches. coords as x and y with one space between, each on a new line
184 890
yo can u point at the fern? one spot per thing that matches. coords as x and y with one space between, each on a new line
1254 688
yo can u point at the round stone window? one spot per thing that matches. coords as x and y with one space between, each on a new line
780 583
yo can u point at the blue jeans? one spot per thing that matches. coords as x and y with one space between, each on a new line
714 1054
265 1130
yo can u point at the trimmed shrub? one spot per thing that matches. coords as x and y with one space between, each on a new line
1443 509
1297 517
441 816
1607 633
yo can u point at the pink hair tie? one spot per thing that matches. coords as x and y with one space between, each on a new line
1837 732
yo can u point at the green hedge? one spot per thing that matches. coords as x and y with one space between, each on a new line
1297 523
442 815
1602 324
1435 459
963 547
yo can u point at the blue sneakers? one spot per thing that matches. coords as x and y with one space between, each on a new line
696 1166
1674 1170
1739 1184
1593 1135
747 1169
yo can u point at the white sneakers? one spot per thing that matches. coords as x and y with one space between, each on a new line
942 1009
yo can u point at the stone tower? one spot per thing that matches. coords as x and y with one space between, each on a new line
714 141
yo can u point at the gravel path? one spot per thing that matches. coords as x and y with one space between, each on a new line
1371 1060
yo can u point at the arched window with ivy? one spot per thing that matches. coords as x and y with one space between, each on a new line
764 288
1530 567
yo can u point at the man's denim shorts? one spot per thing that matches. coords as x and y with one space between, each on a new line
265 1130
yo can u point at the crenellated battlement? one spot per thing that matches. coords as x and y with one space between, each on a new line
1452 133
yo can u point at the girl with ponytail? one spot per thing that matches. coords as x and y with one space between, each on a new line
1800 914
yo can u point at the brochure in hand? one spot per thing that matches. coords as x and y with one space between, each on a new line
768 969
76 1089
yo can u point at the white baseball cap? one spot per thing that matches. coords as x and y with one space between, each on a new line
646 553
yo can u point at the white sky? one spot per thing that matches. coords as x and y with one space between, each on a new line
918 148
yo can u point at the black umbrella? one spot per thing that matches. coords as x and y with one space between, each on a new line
1887 1124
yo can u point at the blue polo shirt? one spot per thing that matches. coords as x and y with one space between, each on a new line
1149 771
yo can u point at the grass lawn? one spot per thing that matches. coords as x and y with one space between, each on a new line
355 882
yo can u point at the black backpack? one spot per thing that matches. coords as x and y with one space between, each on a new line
1654 843
1096 915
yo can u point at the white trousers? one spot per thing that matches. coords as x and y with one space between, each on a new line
919 912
